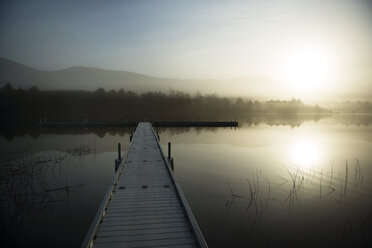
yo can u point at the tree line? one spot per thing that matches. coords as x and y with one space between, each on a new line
115 105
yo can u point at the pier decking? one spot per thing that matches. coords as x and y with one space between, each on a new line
144 206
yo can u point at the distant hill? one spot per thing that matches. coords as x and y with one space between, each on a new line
89 78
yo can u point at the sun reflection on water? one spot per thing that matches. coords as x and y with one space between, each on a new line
305 152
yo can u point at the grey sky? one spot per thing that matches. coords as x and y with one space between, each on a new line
183 39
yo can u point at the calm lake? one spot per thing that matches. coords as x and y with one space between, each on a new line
272 182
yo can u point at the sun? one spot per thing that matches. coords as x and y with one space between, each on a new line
307 70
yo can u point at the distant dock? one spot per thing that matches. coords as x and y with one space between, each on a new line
144 205
78 124
195 124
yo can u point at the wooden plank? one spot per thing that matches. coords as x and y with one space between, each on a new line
138 187
137 184
142 202
141 232
148 237
133 192
136 192
153 190
146 206
145 187
141 188
150 176
159 212
142 227
149 212
149 243
143 213
119 210
144 175
145 197
143 216
147 200
156 191
142 222
141 176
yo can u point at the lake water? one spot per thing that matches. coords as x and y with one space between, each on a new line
272 182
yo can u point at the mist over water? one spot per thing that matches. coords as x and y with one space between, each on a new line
272 181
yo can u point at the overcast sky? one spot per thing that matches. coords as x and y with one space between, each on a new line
184 39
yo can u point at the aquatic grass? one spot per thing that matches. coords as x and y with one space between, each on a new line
346 176
347 230
297 178
320 186
253 193
358 176
268 194
24 187
324 183
331 173
84 148
233 196
258 198
363 227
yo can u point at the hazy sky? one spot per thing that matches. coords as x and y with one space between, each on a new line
188 39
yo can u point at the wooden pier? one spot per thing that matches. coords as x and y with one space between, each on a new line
144 206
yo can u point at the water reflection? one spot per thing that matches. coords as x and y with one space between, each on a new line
258 186
269 181
17 129
305 152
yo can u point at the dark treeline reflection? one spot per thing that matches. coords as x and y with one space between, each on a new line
291 120
122 105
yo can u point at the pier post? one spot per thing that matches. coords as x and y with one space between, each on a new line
131 136
118 160
171 163
117 164
169 150
119 151
170 159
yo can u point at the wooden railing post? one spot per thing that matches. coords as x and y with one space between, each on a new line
169 150
170 159
119 151
118 160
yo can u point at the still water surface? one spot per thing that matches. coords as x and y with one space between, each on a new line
306 184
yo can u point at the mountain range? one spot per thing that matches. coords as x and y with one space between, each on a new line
90 78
